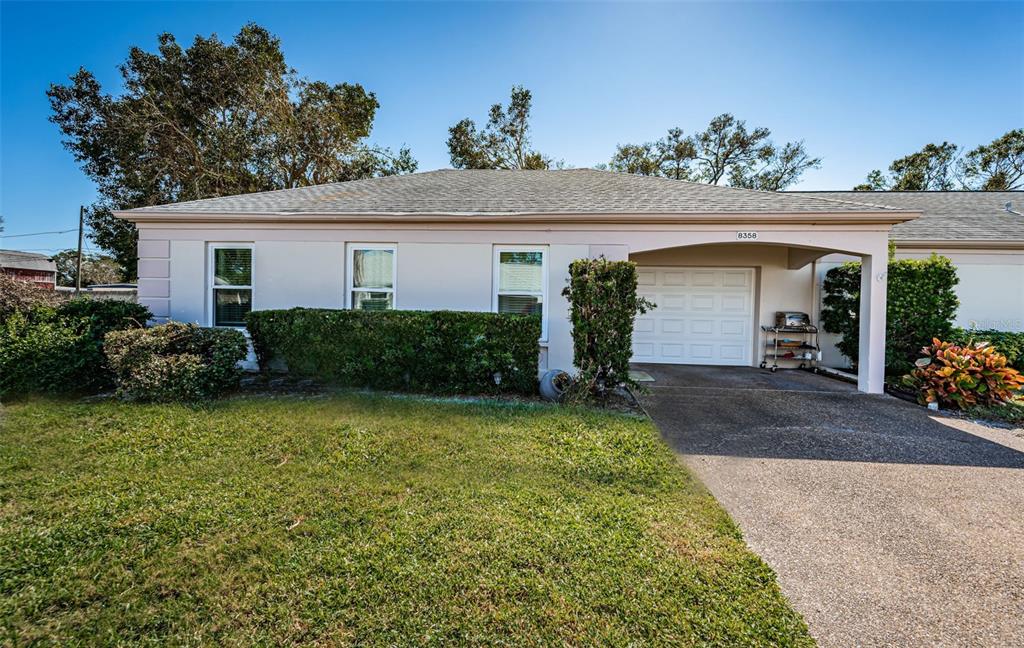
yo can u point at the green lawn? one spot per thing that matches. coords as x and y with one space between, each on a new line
365 520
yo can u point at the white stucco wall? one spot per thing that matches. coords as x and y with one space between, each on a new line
453 276
446 266
991 291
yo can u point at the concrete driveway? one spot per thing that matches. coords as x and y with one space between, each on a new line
886 526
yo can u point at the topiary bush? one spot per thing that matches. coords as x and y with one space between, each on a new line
423 351
964 376
175 362
602 304
1008 343
921 304
59 350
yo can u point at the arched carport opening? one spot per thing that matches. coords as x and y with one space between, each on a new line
715 294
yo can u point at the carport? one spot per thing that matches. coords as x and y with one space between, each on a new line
714 287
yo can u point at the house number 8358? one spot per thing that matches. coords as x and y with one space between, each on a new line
746 236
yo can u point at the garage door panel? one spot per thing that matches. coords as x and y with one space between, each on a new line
674 279
735 279
703 316
703 303
644 325
672 325
733 328
735 304
731 352
705 279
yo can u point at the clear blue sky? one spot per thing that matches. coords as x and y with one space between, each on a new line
862 84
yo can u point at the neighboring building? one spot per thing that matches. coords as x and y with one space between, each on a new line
29 266
112 292
983 238
718 261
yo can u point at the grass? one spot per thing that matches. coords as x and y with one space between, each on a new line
363 520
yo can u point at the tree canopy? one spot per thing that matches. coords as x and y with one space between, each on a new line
503 143
209 120
96 268
997 166
725 151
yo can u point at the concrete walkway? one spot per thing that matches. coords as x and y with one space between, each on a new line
886 526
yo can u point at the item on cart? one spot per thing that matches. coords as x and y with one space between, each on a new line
787 319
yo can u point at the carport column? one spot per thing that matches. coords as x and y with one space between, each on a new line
873 283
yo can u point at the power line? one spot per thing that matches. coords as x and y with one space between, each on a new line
7 236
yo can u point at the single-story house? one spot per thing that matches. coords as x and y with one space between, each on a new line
982 232
39 269
718 261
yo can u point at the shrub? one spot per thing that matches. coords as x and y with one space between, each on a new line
1009 343
39 356
964 376
60 350
603 304
17 296
921 304
425 351
175 362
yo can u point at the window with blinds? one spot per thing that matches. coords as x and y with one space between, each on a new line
231 284
520 282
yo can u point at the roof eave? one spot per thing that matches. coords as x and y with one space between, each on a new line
882 217
959 244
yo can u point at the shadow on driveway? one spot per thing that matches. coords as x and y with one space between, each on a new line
886 526
746 412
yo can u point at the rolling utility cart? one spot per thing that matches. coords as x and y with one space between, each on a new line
792 338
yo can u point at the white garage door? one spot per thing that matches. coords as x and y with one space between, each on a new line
704 316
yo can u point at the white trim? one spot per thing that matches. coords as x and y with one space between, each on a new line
211 288
350 275
496 278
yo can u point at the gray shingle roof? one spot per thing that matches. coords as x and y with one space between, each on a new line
946 215
26 261
572 191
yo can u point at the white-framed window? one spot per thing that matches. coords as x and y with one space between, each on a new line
521 282
230 275
371 272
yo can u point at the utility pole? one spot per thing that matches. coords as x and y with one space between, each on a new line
78 264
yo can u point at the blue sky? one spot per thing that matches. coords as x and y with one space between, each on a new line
860 83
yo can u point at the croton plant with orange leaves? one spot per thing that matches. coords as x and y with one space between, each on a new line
965 376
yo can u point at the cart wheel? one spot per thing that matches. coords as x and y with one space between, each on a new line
763 365
815 370
802 366
773 369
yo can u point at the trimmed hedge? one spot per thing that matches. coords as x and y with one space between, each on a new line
1008 343
60 350
423 351
175 362
603 304
921 304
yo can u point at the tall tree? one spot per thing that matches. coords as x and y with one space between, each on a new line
210 120
725 151
96 268
930 169
997 166
504 143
